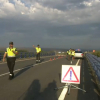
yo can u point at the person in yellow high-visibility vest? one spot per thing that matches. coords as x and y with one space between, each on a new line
69 54
38 51
10 53
70 51
73 52
72 55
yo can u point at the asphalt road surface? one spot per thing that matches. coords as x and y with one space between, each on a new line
37 81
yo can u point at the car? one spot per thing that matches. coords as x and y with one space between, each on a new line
78 54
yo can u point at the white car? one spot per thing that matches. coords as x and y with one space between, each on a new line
79 54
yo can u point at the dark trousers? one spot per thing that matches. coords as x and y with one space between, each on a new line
11 64
70 57
38 56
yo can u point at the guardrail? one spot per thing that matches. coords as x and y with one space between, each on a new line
95 67
27 55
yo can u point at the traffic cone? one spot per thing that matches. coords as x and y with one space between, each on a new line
50 59
54 58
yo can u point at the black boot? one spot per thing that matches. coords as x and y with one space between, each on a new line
13 75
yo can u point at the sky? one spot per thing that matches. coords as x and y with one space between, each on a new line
50 23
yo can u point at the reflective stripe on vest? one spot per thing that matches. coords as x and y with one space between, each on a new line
10 53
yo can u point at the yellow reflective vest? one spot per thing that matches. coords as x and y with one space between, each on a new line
38 49
69 52
73 53
10 53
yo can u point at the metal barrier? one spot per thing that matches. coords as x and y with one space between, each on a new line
95 63
27 55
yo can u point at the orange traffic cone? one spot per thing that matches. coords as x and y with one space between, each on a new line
50 59
54 58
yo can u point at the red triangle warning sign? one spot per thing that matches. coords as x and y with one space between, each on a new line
70 76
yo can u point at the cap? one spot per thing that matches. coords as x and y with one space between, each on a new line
38 45
11 43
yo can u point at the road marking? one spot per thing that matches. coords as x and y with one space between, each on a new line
83 88
95 90
77 62
93 81
27 67
26 59
64 91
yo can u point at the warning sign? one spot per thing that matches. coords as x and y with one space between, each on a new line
70 74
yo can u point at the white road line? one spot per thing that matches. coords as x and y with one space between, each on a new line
25 59
83 88
77 62
64 91
26 67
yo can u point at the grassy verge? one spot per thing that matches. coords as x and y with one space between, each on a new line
97 53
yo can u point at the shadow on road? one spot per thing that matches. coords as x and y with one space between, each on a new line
59 77
34 92
42 60
49 93
23 70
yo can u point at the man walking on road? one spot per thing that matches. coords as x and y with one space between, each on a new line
38 51
72 55
10 53
69 54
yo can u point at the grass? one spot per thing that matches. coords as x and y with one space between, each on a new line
97 53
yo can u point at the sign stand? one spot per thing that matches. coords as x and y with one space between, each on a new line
70 86
70 74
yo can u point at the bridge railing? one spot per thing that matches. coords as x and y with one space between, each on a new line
27 55
95 64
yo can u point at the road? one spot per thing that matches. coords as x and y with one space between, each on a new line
37 81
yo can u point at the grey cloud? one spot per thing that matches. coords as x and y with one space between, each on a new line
44 27
26 32
60 4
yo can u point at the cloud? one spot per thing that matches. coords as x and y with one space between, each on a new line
37 11
50 22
